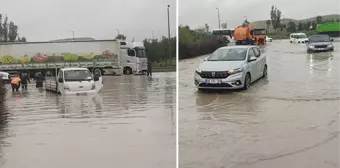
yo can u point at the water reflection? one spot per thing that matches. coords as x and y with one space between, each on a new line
3 131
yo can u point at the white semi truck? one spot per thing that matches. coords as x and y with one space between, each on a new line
133 58
49 57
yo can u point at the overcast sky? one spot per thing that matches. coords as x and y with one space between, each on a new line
41 20
196 13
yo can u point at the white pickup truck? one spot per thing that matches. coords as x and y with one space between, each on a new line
75 81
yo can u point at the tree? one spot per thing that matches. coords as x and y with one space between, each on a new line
206 28
313 25
291 27
337 20
12 32
318 20
23 39
268 24
275 16
224 25
121 37
299 26
5 29
245 23
1 29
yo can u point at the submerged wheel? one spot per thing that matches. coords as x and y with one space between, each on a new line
247 81
127 71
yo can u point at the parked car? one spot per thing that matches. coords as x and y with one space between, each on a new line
231 67
298 38
268 39
5 77
320 43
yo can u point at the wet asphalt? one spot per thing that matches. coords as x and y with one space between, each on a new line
131 123
289 119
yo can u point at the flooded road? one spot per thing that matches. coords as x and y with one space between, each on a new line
131 123
290 119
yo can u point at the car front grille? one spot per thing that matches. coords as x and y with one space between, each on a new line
214 75
215 85
321 46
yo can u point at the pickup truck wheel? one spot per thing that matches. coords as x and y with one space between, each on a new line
127 71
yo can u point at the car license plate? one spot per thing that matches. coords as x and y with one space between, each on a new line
84 93
212 81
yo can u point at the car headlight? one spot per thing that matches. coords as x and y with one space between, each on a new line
235 71
198 71
311 46
330 46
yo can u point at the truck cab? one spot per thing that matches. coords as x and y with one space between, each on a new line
76 81
133 57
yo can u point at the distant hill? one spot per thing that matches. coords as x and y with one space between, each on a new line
263 24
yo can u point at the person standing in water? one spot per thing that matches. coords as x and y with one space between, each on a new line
39 80
15 83
24 80
149 71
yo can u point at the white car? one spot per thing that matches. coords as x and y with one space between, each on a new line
231 67
5 76
298 38
268 39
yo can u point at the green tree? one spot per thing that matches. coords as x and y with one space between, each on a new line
268 22
337 20
275 16
12 32
224 25
291 27
5 29
23 39
318 20
121 37
300 26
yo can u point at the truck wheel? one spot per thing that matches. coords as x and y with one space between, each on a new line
127 71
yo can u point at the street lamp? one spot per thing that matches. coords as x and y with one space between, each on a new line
169 32
218 15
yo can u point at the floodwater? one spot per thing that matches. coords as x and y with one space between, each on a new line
131 123
290 119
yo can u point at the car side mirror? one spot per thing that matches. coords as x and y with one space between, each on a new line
332 39
96 78
61 80
252 59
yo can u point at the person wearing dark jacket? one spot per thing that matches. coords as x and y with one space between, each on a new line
149 71
24 80
39 80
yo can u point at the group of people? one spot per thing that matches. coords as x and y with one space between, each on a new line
22 79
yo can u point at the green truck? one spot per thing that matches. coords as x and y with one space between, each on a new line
331 28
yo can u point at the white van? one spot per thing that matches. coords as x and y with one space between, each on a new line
298 38
76 81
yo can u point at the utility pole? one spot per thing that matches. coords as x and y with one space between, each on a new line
117 32
218 15
169 33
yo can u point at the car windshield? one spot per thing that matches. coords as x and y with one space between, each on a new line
299 36
77 75
141 53
319 39
230 54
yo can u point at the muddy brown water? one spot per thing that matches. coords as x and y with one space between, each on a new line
131 123
290 119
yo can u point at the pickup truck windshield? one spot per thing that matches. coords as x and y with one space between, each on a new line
77 75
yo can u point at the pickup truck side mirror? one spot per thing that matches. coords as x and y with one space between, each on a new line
96 78
60 80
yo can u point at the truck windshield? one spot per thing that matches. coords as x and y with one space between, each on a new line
141 53
259 32
77 75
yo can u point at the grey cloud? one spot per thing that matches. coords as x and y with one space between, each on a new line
41 20
196 13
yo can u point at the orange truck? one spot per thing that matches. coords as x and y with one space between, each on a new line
249 35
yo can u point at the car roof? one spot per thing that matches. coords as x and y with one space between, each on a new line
66 69
316 35
298 34
237 46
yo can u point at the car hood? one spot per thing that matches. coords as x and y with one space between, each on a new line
319 43
220 65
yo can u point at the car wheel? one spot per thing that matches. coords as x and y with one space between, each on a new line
247 81
127 71
291 42
265 71
201 90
